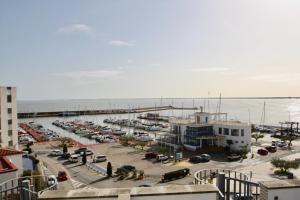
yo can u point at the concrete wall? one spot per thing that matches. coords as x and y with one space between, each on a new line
206 196
16 160
4 177
284 194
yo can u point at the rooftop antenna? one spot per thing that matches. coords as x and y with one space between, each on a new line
194 105
263 116
182 109
249 116
208 110
220 103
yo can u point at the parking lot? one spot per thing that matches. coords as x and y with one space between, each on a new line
119 155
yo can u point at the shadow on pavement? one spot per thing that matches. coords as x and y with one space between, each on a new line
98 180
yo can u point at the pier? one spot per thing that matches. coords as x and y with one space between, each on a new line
100 112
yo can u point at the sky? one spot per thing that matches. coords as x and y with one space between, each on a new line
77 49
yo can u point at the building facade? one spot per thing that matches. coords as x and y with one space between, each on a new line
8 118
208 130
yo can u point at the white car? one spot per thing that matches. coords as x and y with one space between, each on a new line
56 152
52 182
74 158
99 158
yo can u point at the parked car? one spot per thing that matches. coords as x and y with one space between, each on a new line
74 158
52 182
262 152
62 176
234 157
78 151
271 149
125 168
274 143
201 158
281 143
65 156
56 152
150 155
87 152
175 174
161 157
99 158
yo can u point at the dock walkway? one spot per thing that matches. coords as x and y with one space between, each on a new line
98 112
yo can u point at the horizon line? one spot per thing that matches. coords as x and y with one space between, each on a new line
119 98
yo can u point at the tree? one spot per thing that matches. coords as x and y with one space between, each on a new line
244 151
142 144
64 141
84 158
65 148
284 165
289 138
109 169
257 136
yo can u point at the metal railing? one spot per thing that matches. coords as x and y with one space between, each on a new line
233 185
25 188
96 168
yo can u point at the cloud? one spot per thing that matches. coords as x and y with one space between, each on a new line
121 43
93 75
76 28
276 78
210 69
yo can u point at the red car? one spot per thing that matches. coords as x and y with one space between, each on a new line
62 176
150 155
262 152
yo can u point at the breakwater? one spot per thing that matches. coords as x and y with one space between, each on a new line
99 112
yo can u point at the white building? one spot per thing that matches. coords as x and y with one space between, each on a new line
207 130
280 190
8 118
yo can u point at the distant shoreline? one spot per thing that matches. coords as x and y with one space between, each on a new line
24 100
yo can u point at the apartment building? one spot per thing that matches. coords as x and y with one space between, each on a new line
8 117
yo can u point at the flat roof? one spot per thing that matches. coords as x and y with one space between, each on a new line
136 191
281 184
192 122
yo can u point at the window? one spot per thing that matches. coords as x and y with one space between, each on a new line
9 110
242 141
10 121
236 141
9 132
8 88
226 131
234 132
220 131
8 98
242 132
276 198
10 143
